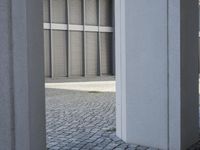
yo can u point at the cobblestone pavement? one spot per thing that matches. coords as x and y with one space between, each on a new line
82 120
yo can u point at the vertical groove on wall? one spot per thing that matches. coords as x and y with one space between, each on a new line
13 120
68 41
113 40
121 67
84 41
51 41
168 119
99 39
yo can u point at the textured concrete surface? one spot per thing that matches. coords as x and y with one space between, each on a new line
81 116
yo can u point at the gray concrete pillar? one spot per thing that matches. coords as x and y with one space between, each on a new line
157 72
22 101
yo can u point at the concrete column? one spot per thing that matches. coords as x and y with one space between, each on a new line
157 72
22 101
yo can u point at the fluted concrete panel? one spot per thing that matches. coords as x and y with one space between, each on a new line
22 98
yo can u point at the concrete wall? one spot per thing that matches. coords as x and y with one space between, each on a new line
183 77
189 72
22 98
157 92
147 72
157 73
6 89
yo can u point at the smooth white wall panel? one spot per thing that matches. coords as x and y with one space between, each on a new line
157 62
146 65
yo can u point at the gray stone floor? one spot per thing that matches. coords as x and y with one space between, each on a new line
81 116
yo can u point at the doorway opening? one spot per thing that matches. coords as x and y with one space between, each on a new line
80 74
79 53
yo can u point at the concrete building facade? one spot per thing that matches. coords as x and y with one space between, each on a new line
78 38
156 46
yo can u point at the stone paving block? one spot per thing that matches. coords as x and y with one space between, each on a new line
75 148
141 148
111 146
118 148
98 148
88 146
131 148
152 149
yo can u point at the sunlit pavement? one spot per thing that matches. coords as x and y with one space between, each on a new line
81 116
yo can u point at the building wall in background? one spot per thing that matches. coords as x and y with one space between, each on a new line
78 38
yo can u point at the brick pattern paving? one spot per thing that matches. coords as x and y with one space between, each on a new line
83 121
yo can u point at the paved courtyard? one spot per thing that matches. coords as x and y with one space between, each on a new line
81 116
